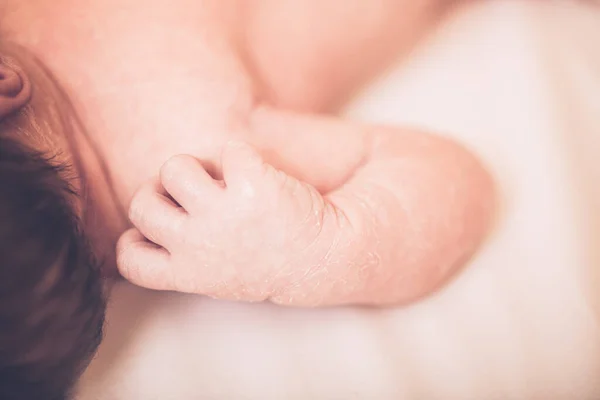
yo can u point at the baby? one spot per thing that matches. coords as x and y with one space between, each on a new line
274 202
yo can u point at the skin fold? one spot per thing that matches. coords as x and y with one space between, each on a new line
302 209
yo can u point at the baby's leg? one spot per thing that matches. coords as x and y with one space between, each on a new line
418 205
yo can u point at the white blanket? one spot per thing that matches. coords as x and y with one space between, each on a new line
519 83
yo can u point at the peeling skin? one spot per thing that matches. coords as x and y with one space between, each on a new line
326 211
412 208
404 212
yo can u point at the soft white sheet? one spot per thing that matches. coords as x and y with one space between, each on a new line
519 82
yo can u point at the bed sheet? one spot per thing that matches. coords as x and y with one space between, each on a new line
519 83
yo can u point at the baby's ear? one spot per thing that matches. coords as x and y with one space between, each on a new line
15 88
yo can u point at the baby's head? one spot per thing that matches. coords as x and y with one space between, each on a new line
51 299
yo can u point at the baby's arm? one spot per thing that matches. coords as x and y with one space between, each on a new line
408 208
351 214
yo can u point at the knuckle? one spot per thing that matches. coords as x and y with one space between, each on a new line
137 206
169 170
125 260
122 243
129 266
126 241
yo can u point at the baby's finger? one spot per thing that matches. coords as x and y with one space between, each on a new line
186 180
243 168
143 263
155 216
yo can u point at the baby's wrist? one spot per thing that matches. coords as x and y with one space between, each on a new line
324 272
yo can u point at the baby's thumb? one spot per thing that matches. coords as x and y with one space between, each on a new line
243 168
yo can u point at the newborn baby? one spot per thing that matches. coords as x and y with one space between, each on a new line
272 202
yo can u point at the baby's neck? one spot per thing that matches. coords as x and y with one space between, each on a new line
103 216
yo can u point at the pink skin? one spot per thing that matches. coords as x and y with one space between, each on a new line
14 90
394 212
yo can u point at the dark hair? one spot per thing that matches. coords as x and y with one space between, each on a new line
52 304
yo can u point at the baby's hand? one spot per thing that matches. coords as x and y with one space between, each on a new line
229 239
